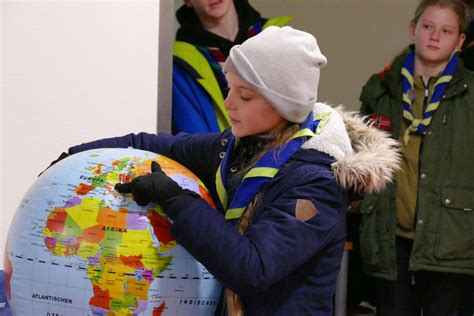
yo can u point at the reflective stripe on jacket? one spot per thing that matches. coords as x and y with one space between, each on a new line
190 55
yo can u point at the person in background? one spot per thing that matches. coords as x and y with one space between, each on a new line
281 176
208 29
416 237
467 55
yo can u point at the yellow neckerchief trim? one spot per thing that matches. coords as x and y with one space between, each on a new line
221 192
434 106
261 172
407 74
303 132
236 213
415 122
324 119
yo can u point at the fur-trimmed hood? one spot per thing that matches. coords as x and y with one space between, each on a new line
366 158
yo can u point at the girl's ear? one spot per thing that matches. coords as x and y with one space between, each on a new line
411 31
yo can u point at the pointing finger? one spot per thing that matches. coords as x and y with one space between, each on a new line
123 187
155 166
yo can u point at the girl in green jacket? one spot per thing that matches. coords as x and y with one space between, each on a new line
417 236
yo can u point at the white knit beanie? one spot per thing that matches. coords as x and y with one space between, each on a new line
282 65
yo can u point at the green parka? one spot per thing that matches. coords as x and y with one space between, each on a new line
444 224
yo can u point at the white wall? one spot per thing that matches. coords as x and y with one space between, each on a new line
359 37
72 71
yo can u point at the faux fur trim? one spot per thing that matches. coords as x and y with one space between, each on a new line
376 158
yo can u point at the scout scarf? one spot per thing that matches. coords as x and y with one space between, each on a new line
263 170
420 125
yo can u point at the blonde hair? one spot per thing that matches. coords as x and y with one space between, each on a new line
459 7
278 137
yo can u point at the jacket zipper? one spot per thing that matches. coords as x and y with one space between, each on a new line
427 93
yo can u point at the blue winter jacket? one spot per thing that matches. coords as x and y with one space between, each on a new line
284 264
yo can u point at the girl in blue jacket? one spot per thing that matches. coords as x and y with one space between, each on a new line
281 175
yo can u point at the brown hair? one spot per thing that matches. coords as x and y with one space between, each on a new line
459 7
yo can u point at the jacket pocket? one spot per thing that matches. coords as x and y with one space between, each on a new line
369 245
455 235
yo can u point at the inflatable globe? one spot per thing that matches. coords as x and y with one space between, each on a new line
78 247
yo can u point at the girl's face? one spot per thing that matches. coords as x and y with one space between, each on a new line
436 35
211 10
250 113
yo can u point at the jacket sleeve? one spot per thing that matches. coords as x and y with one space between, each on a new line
192 110
276 244
197 152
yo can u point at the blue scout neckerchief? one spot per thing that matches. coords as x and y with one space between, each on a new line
417 125
263 170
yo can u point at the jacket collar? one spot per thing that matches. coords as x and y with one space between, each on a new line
459 83
391 79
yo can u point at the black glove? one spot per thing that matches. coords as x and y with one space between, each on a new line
61 157
155 187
